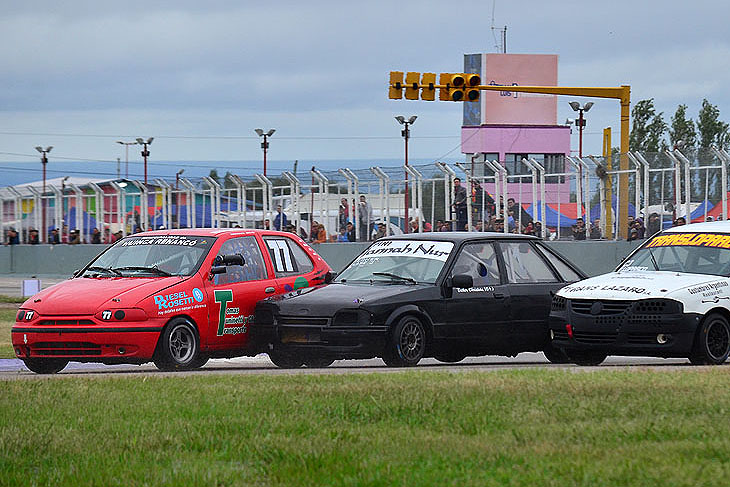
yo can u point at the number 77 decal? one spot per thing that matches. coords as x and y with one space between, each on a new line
281 255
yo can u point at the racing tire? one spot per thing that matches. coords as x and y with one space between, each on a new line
586 359
179 347
407 344
45 365
556 355
450 356
318 362
712 342
284 360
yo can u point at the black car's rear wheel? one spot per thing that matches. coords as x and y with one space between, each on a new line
407 343
179 347
45 365
450 356
285 360
586 358
712 342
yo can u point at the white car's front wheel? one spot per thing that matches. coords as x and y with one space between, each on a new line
712 342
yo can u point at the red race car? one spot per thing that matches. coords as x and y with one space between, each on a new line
176 297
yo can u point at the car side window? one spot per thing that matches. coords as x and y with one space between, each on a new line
566 273
479 261
254 267
288 257
524 264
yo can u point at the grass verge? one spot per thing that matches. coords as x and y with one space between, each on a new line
529 427
7 319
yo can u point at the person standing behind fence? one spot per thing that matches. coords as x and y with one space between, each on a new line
365 216
280 220
460 205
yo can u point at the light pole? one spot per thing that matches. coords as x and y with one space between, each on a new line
406 133
145 153
581 122
126 155
177 178
44 162
265 143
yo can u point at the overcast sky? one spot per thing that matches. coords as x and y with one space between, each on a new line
200 76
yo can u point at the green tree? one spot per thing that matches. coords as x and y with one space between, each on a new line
712 129
682 130
213 174
647 128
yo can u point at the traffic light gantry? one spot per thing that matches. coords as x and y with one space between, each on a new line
451 86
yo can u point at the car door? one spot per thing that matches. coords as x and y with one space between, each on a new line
531 282
235 293
478 315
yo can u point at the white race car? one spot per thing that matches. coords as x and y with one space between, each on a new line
669 298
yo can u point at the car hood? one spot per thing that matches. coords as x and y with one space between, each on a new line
642 284
326 300
84 296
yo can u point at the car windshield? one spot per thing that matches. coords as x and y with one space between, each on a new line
399 261
695 253
151 256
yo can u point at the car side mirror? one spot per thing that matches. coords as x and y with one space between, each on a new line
462 281
217 269
329 277
230 259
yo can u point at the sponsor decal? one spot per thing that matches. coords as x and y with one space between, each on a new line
230 315
715 299
612 287
708 289
163 240
173 300
691 240
423 249
475 289
179 301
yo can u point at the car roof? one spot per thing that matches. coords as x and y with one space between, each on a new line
460 236
722 226
211 232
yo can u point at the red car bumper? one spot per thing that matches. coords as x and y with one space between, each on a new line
93 342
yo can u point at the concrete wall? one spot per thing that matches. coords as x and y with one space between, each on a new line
593 257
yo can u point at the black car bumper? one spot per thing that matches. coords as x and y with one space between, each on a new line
337 342
624 329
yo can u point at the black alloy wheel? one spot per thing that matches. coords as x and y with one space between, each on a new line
407 344
712 342
584 358
285 360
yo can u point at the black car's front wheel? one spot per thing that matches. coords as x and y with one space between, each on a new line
407 343
318 361
45 365
555 355
586 358
179 347
285 360
712 342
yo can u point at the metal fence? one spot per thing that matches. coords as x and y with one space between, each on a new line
670 184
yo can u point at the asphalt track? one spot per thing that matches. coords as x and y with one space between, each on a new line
261 365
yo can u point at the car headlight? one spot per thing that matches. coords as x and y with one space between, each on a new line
125 314
352 317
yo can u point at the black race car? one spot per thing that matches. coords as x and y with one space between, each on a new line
444 295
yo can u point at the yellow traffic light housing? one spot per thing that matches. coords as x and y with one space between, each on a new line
395 90
412 90
472 82
428 86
